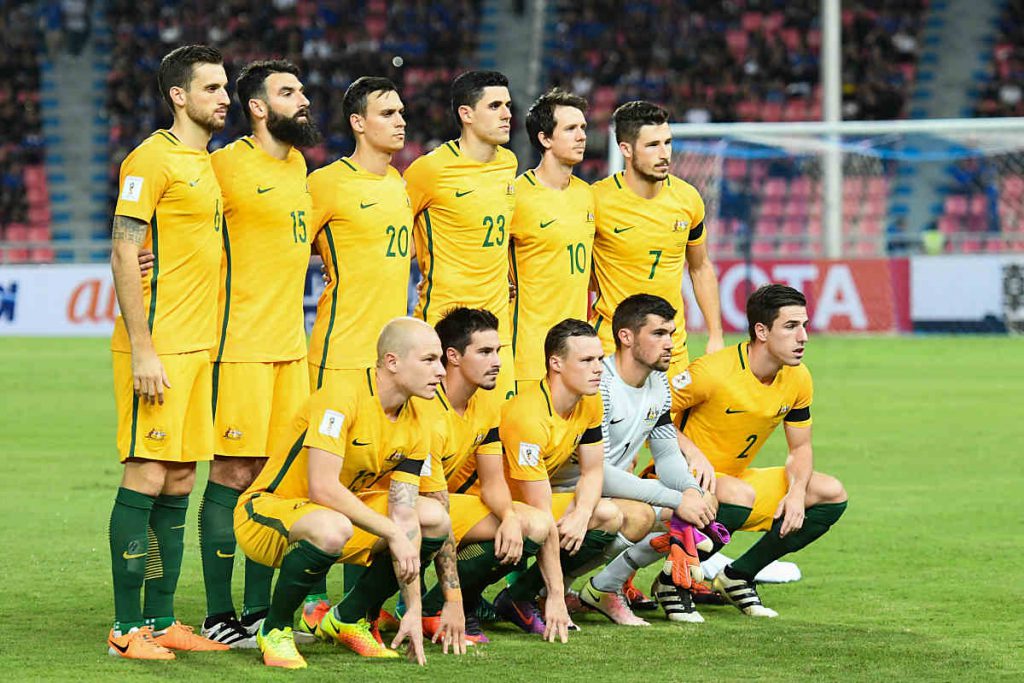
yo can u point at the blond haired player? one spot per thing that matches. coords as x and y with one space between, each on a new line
259 370
318 484
729 403
169 202
463 194
552 234
650 230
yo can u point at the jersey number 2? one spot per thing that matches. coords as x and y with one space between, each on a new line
751 440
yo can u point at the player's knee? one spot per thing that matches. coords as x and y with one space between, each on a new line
235 473
434 521
180 479
330 532
735 492
536 525
830 489
637 521
607 517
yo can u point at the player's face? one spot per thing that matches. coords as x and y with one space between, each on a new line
491 118
206 99
383 127
480 363
420 370
788 335
288 116
651 155
652 344
581 368
569 138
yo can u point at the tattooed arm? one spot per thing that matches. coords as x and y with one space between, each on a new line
453 620
148 374
402 499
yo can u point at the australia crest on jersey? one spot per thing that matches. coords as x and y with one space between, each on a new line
396 456
681 225
590 216
652 414
783 410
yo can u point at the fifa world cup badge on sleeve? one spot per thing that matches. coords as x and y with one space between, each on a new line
682 380
330 425
529 454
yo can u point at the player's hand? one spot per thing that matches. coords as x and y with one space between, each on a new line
508 540
715 343
702 469
791 509
405 557
324 275
556 619
149 377
411 628
453 629
146 260
694 509
571 530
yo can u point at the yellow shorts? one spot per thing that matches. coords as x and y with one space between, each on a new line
180 430
263 520
466 512
770 486
677 367
251 401
320 377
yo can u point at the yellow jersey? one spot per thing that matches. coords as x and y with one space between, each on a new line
729 413
463 212
458 439
536 440
640 247
363 223
173 188
266 254
347 420
552 240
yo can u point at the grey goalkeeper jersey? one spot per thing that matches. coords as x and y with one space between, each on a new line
633 416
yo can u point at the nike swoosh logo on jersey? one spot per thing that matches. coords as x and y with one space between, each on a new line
544 225
463 193
261 190
126 556
621 230
367 206
224 555
615 422
194 182
730 411
357 442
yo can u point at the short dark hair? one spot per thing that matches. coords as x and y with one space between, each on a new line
541 116
456 328
764 304
178 66
468 88
252 80
357 94
556 343
632 312
632 116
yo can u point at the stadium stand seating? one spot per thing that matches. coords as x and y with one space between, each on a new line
24 198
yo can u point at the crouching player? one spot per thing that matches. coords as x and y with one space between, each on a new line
544 428
466 471
313 504
729 403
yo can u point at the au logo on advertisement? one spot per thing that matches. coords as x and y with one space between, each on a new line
92 301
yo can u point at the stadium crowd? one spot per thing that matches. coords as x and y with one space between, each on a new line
1003 95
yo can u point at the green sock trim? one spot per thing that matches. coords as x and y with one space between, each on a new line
163 563
301 567
129 547
259 580
217 546
818 519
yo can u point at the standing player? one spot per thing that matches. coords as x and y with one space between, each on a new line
259 371
552 230
650 228
467 469
362 221
170 203
544 428
299 513
463 194
730 402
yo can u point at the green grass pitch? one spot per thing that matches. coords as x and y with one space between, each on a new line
920 580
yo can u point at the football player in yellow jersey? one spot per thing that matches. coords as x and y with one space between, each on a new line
317 485
363 224
259 371
650 229
730 402
169 202
543 428
467 469
552 232
462 195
